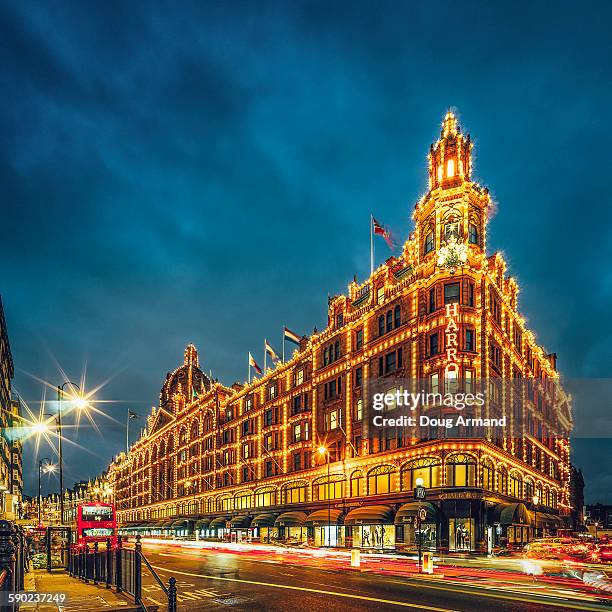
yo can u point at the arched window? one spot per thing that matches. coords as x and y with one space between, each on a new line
242 500
397 316
224 503
183 437
450 168
460 470
294 492
208 422
194 430
529 489
427 468
356 478
553 498
516 485
322 488
487 474
379 479
265 496
389 321
502 480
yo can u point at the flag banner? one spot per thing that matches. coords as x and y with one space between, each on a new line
132 415
254 365
292 337
271 352
195 393
381 230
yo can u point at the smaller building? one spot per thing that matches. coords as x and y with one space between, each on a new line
577 498
600 514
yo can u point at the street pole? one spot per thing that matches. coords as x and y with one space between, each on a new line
60 392
328 499
39 496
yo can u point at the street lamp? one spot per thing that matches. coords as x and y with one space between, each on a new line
322 450
79 403
535 499
49 467
596 526
419 492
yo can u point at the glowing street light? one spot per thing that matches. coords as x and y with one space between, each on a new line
322 450
536 500
48 468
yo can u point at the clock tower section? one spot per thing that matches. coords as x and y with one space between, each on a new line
451 218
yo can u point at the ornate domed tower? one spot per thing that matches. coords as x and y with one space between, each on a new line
450 220
184 384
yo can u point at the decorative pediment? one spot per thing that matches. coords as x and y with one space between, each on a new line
162 418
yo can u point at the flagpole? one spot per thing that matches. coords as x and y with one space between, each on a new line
127 433
249 366
371 245
265 356
283 343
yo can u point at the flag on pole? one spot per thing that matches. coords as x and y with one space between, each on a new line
271 352
132 415
292 337
253 364
381 230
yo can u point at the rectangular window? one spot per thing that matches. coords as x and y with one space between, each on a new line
339 319
272 391
429 243
245 451
472 234
470 299
359 339
269 468
451 293
297 404
433 344
434 383
268 417
469 339
469 381
432 299
390 362
359 410
380 295
299 377
358 377
297 432
332 420
297 462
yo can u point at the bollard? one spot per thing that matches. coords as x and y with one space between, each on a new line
172 595
118 575
137 570
95 563
109 563
7 557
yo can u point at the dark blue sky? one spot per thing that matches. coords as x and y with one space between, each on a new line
204 173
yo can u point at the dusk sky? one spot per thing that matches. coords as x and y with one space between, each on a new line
177 172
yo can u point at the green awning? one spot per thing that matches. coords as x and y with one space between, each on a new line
182 524
264 520
370 515
407 512
241 522
219 522
510 514
202 524
290 519
324 517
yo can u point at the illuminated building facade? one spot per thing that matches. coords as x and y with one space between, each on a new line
243 461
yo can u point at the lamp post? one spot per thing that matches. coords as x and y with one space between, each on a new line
596 526
419 493
80 403
322 450
535 499
49 467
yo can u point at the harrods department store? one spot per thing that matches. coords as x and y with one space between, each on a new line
293 454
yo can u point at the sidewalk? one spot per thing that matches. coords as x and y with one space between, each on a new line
81 597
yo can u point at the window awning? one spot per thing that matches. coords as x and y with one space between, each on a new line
290 519
264 520
510 514
551 520
202 523
370 515
219 522
182 524
167 524
408 511
324 517
241 522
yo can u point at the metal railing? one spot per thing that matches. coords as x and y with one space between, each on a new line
14 560
119 567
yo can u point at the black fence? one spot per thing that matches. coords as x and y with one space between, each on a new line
115 566
13 559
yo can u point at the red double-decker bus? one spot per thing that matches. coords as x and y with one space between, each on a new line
95 522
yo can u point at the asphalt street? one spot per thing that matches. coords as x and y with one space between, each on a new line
214 580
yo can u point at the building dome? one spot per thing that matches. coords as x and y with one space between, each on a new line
184 384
